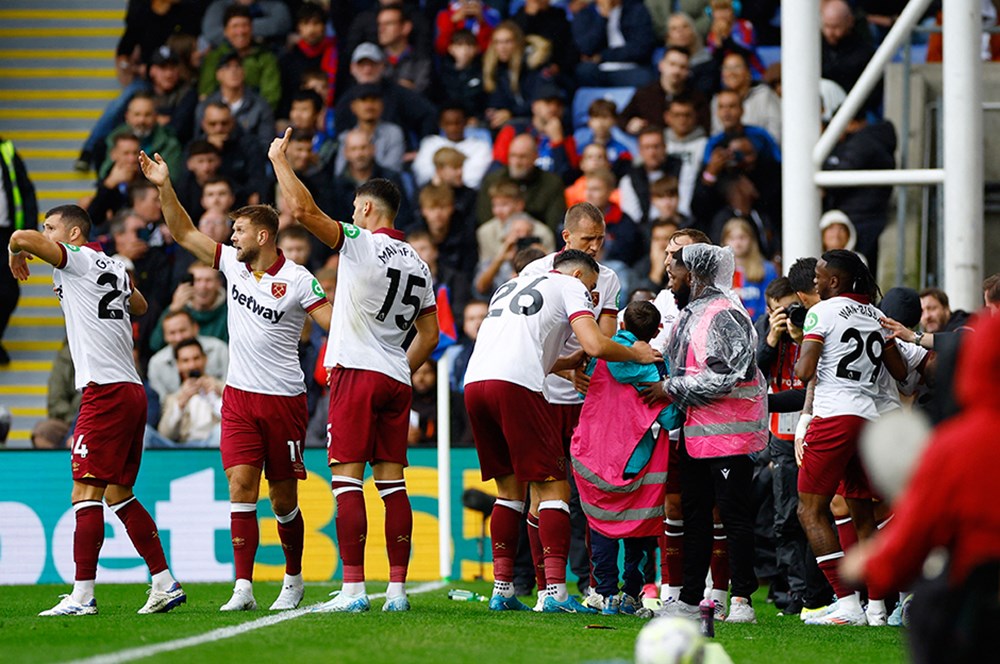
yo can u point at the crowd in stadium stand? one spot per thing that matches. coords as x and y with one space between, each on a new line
492 117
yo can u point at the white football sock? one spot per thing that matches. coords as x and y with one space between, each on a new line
163 580
83 591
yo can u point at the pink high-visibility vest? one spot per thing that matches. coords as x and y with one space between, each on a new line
612 422
734 424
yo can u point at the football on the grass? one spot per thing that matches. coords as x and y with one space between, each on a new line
668 641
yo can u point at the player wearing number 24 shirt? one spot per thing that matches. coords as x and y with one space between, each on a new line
845 348
384 292
97 297
519 444
264 413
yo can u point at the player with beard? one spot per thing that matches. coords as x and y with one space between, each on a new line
844 348
714 377
264 414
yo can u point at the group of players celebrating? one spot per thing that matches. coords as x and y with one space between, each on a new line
523 386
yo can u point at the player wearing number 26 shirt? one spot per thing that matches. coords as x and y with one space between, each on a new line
97 297
264 413
530 319
384 293
845 348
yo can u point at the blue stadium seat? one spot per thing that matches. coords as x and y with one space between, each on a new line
585 96
769 54
918 54
658 55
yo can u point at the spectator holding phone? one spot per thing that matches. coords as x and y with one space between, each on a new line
202 295
500 268
193 414
496 236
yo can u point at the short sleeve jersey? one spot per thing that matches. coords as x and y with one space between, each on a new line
889 389
265 322
382 288
557 389
94 290
526 329
851 361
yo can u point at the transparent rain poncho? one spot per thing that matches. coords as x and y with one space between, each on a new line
723 347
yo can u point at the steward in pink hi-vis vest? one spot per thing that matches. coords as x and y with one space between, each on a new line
613 421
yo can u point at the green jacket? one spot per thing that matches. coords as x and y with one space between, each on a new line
211 323
544 197
260 65
159 140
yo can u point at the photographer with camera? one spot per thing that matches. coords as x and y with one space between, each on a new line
780 339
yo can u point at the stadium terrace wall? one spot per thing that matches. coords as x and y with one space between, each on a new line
186 493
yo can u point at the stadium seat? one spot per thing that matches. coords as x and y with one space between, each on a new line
918 54
585 96
769 54
658 55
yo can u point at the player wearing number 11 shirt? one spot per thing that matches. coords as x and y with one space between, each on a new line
384 292
517 438
264 413
845 348
97 296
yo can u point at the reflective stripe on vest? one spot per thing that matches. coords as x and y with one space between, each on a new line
624 515
725 428
17 214
592 478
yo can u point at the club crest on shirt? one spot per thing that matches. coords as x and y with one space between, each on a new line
278 289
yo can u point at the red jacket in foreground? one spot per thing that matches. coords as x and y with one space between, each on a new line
951 500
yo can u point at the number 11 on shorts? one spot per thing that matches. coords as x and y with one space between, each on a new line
294 449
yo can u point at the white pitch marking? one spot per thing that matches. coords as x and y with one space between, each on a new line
225 632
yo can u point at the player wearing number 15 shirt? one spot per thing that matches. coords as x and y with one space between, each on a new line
97 297
844 348
384 293
517 438
264 413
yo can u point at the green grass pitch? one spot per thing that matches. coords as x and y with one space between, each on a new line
436 630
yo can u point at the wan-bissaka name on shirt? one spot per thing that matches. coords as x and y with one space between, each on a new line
251 303
860 309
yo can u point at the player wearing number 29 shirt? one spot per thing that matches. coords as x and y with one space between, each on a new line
384 292
97 298
845 348
518 440
264 413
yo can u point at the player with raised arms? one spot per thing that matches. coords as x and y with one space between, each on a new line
264 412
384 292
518 441
844 347
97 298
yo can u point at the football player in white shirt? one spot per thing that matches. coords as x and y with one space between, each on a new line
97 297
583 230
845 348
518 442
264 412
384 292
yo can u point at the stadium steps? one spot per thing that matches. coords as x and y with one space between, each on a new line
56 76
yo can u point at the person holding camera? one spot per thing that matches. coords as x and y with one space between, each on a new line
780 339
193 413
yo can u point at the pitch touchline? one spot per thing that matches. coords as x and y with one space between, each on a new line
224 632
